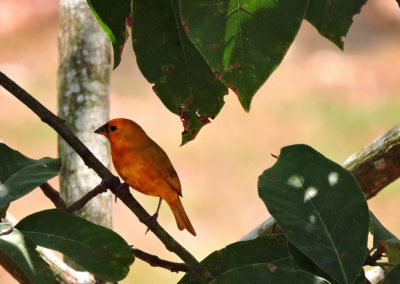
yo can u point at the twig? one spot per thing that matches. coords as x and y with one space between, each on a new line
374 167
111 181
77 205
53 195
154 260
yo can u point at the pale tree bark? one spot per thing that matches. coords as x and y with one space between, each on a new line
83 101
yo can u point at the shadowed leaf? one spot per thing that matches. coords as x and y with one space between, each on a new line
267 249
393 277
321 209
243 41
182 79
301 262
97 249
112 17
19 174
333 18
19 257
266 274
379 231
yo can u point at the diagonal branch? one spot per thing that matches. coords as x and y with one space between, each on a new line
111 181
53 195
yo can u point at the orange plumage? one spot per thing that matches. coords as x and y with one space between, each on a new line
144 166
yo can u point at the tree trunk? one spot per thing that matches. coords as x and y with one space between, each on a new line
83 101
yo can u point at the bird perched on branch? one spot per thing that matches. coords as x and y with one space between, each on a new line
144 166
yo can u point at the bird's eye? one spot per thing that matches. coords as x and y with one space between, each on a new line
113 128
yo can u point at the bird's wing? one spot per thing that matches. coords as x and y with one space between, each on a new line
166 170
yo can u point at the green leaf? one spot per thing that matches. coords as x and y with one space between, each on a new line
243 41
3 210
393 253
265 249
301 262
393 277
379 231
19 175
333 18
112 17
266 274
320 208
18 256
182 79
97 249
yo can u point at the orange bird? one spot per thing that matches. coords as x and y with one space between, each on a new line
144 166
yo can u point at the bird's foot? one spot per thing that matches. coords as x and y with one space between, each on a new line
152 220
121 188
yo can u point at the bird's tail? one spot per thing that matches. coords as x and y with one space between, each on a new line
181 218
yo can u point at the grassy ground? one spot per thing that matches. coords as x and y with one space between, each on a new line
335 101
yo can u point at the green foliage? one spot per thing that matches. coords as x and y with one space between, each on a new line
112 17
266 274
268 249
379 232
217 44
393 254
18 254
333 18
243 41
320 208
97 249
19 174
181 77
393 277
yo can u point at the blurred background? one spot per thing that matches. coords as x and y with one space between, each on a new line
335 101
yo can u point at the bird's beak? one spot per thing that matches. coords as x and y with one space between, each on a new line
102 130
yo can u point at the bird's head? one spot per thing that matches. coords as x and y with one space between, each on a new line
121 131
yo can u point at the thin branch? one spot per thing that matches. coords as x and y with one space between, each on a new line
108 178
77 205
53 195
154 260
374 167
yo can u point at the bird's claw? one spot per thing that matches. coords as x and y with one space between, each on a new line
152 219
122 187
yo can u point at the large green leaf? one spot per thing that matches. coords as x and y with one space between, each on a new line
393 277
320 208
333 18
266 249
182 79
243 40
266 274
97 249
301 262
112 17
379 231
19 175
18 255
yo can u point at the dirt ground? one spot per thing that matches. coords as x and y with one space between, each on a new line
337 102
